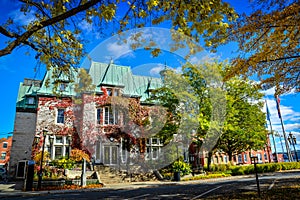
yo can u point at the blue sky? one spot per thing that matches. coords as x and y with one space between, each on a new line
17 66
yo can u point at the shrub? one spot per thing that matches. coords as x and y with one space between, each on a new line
64 163
218 167
77 155
208 176
263 168
180 166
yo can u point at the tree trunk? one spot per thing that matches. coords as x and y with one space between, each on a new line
230 157
209 160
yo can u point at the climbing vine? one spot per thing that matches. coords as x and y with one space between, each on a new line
80 120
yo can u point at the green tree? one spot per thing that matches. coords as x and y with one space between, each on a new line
194 101
268 41
244 127
56 36
225 116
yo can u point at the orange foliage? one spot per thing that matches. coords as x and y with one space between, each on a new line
77 155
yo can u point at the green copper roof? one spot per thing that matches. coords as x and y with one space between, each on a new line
67 80
102 74
27 90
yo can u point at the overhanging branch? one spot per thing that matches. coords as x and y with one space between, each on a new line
278 59
23 38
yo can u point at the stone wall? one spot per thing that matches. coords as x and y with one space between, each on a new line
24 132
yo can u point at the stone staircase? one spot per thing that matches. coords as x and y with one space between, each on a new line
110 175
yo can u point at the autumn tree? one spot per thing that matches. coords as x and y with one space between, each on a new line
268 41
56 37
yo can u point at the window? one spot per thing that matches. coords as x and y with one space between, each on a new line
30 100
109 91
58 139
60 148
154 141
62 86
60 116
99 116
3 155
110 115
4 145
225 159
240 158
58 152
245 157
259 157
153 148
116 92
266 156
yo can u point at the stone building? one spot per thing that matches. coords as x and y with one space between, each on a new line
66 112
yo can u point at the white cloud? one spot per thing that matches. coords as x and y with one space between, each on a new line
116 50
85 26
155 70
203 57
271 92
291 118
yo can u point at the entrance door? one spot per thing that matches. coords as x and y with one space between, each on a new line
110 155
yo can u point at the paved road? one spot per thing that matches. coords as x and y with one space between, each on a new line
168 190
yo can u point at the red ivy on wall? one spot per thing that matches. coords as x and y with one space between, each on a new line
88 132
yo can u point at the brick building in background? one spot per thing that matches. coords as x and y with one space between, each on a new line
5 146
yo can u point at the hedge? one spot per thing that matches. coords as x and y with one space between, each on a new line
262 168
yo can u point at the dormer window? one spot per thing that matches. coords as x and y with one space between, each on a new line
109 91
116 92
113 91
62 86
30 100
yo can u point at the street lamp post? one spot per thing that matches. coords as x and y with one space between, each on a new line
292 141
40 174
69 138
51 140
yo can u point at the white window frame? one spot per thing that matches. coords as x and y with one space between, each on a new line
3 145
63 144
150 146
108 114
